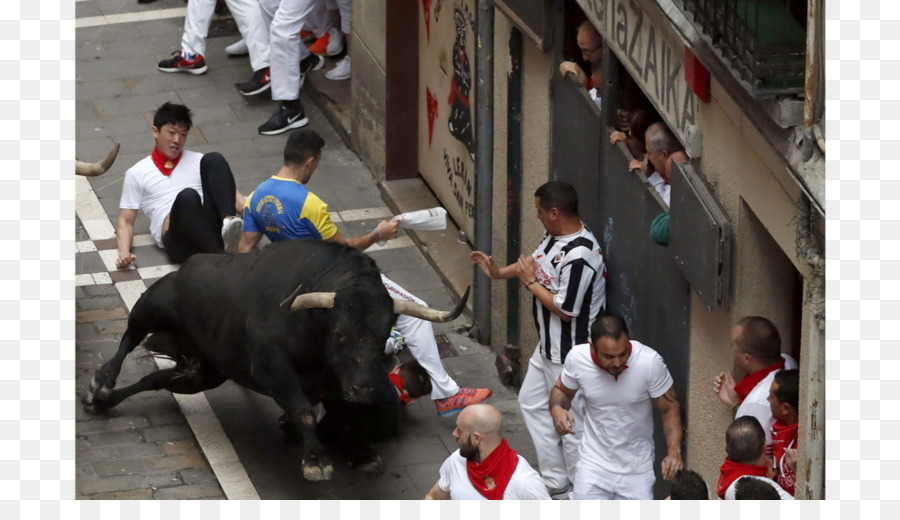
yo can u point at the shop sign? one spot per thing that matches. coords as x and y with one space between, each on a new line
657 65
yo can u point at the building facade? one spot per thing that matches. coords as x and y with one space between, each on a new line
741 86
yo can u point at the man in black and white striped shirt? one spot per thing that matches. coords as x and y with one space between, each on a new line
567 278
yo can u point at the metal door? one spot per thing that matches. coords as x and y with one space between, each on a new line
575 144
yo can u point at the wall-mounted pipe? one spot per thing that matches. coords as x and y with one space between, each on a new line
513 179
484 161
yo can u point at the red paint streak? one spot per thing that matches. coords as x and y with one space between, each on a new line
427 5
432 107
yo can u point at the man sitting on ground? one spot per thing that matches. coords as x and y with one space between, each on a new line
190 198
485 467
745 457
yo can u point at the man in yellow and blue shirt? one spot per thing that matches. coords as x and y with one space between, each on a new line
283 208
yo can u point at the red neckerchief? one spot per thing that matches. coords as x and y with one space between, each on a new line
590 84
398 382
491 476
784 436
165 164
731 471
746 385
594 357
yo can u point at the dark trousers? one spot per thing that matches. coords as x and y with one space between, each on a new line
196 227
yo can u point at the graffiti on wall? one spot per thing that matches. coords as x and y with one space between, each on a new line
460 85
432 107
426 4
447 73
459 178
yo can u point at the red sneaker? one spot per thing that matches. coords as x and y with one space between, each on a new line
466 396
179 63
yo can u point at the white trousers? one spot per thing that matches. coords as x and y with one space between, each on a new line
557 456
419 336
249 21
595 483
344 7
285 19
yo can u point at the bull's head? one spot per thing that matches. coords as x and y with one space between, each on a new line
359 328
98 168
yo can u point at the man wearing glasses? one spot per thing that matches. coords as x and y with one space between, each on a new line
591 45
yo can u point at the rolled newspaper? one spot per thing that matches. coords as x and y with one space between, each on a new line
423 220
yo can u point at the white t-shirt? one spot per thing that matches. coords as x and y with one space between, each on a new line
661 186
757 402
147 189
525 483
729 493
595 97
618 430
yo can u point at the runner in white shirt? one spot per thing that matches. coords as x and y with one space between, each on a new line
619 379
485 467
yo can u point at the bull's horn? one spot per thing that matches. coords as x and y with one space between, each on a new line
98 168
425 313
313 300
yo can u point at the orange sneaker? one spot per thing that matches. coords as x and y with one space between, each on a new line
331 44
307 36
466 396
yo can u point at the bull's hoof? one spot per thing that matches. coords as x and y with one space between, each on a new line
318 473
374 466
95 397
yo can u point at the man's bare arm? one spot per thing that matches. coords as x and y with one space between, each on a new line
546 298
560 401
490 268
671 417
386 230
437 493
125 237
249 241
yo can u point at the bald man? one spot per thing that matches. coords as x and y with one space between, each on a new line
485 467
663 148
591 45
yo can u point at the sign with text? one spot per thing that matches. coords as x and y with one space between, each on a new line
647 50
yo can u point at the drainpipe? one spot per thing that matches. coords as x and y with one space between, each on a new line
810 251
509 362
484 161
812 134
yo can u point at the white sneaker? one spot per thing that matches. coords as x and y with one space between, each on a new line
335 42
238 48
232 227
341 70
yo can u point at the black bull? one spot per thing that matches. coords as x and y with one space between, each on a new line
302 321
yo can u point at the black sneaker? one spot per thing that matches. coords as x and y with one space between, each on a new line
311 63
260 82
283 120
178 63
